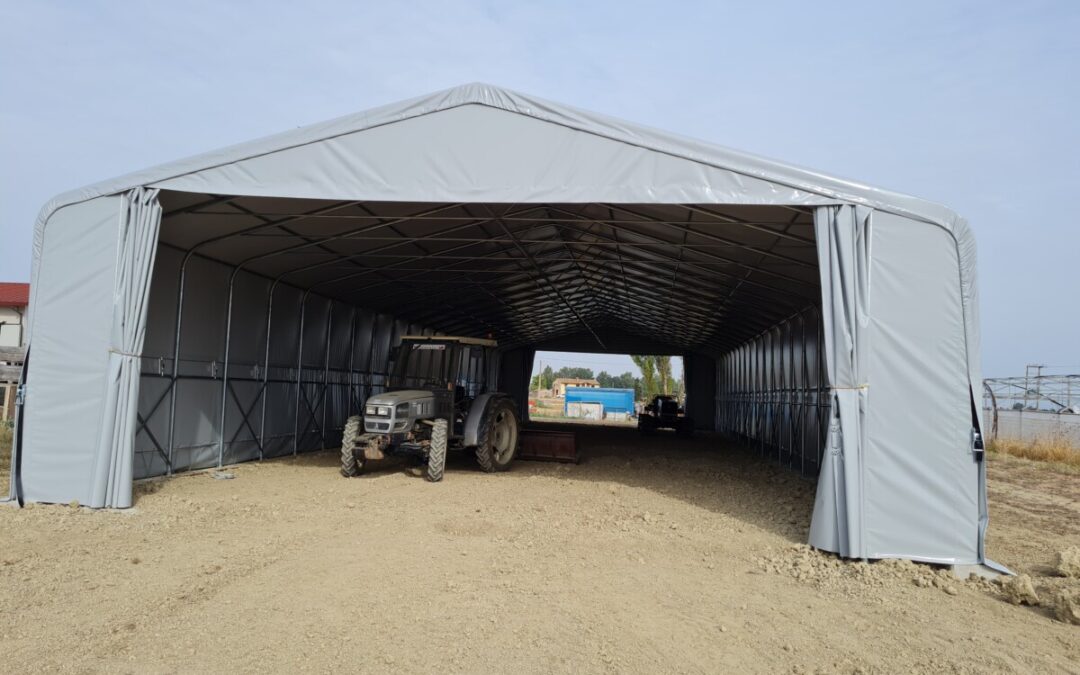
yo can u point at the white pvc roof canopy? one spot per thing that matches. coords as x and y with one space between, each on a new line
816 313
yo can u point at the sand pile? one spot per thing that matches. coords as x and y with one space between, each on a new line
1067 606
1019 590
826 570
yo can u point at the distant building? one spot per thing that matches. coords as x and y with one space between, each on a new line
560 384
14 298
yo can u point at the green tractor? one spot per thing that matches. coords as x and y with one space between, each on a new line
438 399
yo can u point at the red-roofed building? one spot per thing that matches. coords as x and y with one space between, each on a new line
14 298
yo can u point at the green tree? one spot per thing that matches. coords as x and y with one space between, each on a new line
605 379
663 374
547 378
574 372
647 366
542 380
625 381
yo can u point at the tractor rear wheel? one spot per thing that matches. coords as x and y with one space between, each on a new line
497 442
352 462
436 463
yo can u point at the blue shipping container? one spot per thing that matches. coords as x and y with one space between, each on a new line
613 400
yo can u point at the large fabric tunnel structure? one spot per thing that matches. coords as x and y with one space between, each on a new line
241 304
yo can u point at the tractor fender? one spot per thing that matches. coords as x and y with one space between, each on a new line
477 414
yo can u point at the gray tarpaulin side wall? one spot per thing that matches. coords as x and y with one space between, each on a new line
138 245
887 400
73 310
772 393
345 350
920 480
699 373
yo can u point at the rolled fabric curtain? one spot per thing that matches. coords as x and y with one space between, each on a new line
843 241
112 472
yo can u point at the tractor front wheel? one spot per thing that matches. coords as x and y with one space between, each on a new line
352 457
436 463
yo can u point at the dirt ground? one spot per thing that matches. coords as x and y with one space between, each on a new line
652 555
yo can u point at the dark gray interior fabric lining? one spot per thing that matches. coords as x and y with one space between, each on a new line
692 278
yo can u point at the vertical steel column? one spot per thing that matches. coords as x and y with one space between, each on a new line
371 356
266 367
791 394
744 378
176 358
299 374
225 367
803 417
762 386
326 372
352 363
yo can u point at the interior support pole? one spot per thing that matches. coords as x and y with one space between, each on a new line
225 368
352 364
299 374
326 389
266 368
176 357
371 357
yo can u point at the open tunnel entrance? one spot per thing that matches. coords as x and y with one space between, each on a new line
272 320
604 389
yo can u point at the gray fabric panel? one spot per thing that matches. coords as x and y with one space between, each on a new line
769 393
921 478
263 382
70 353
843 240
699 374
112 473
899 478
482 143
514 368
514 165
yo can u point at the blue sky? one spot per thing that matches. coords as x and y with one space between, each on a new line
972 104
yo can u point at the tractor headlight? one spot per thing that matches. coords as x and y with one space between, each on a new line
377 410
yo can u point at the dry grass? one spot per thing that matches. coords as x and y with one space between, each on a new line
5 447
1053 449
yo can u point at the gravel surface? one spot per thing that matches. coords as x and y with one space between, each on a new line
652 555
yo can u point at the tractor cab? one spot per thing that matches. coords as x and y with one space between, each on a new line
447 372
